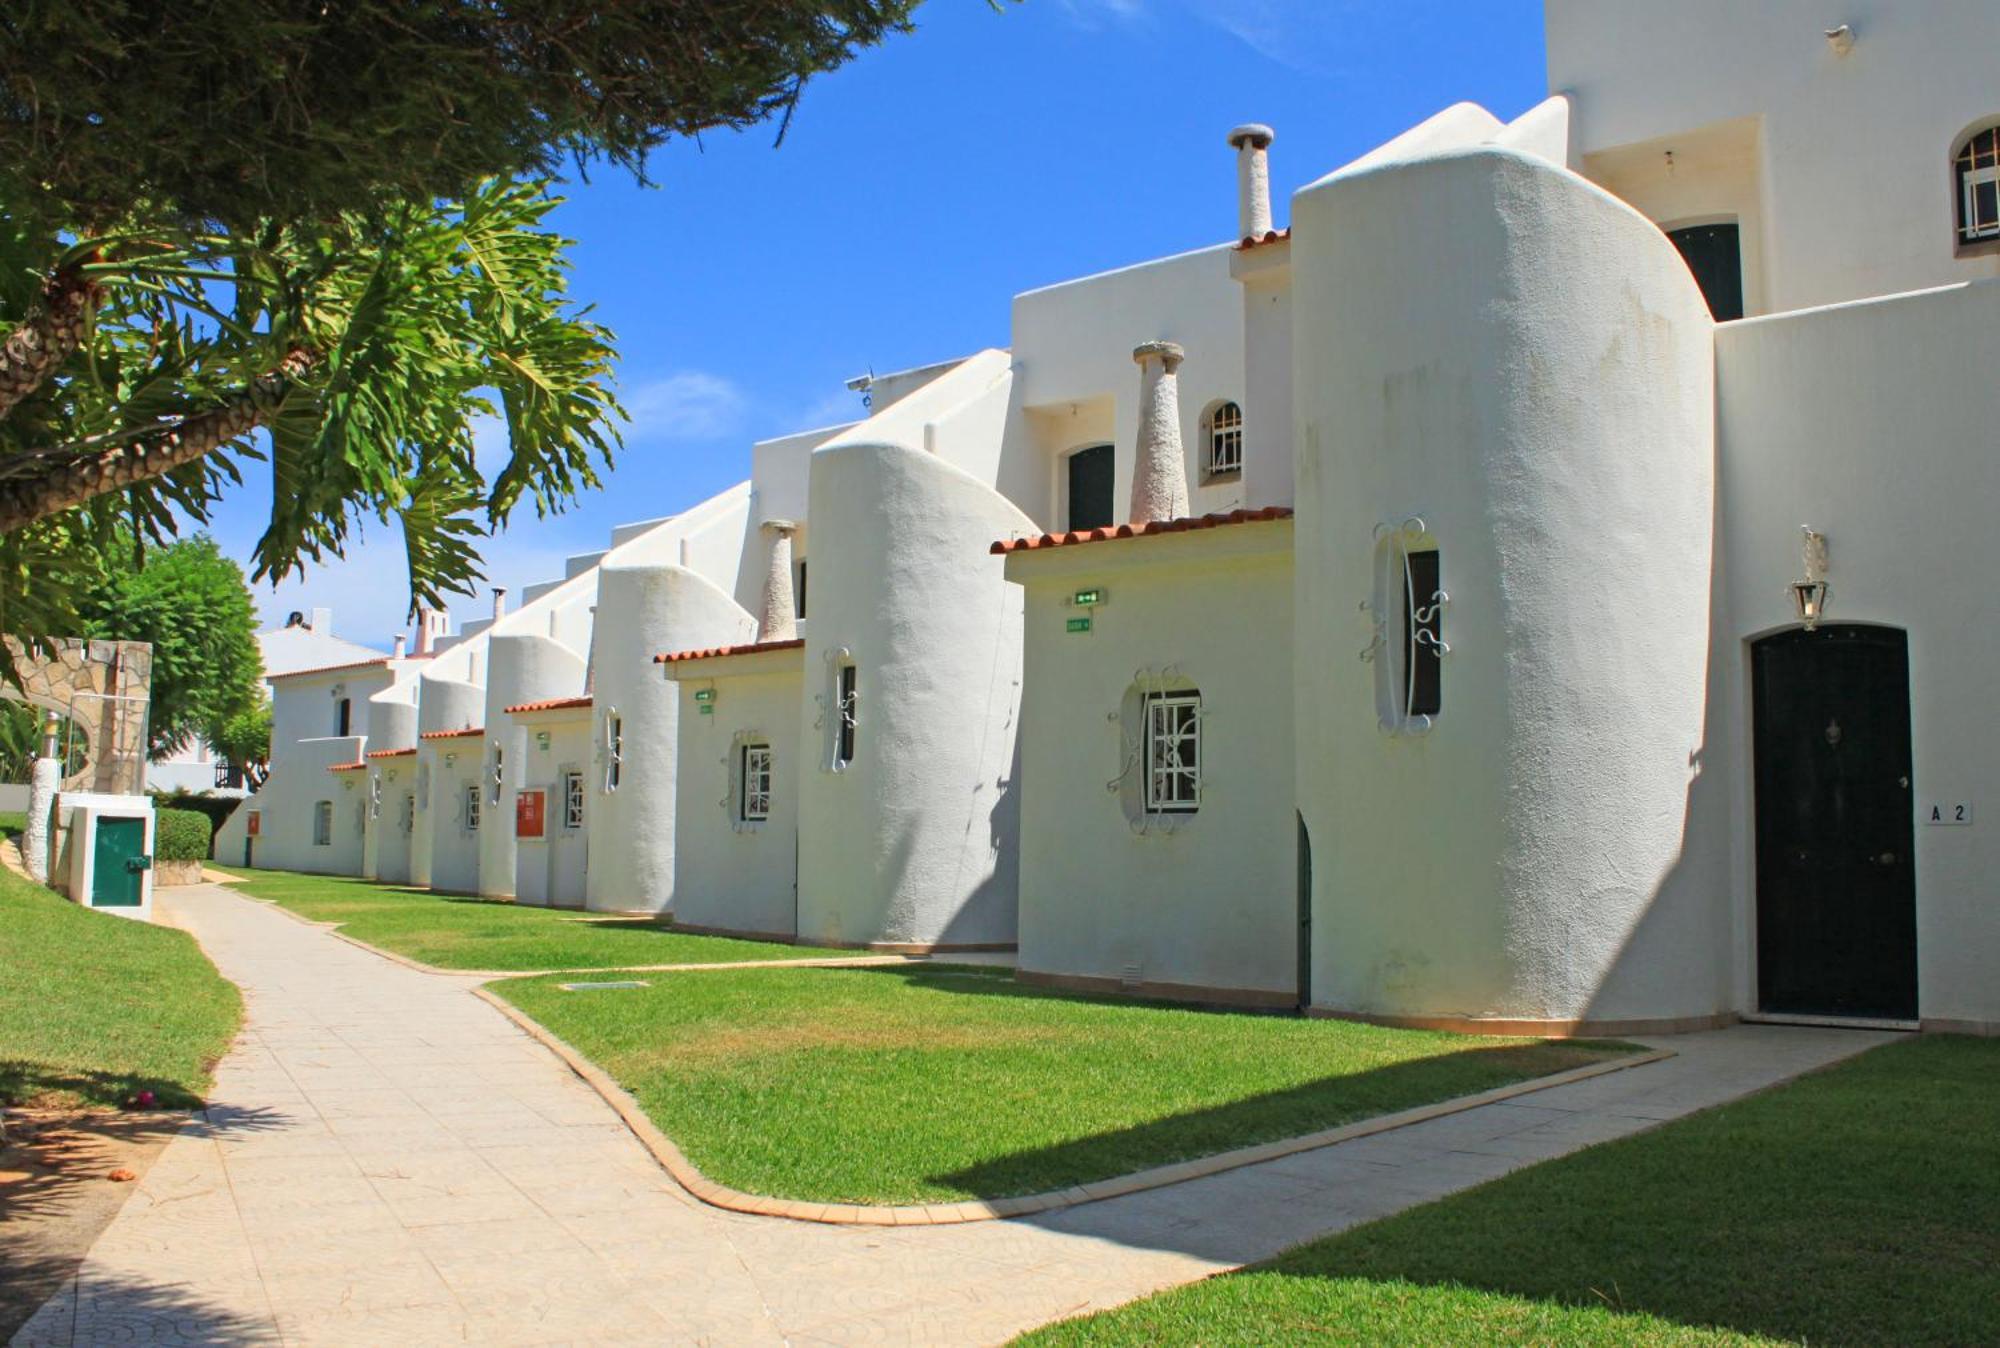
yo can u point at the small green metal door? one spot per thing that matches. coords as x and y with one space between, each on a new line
119 863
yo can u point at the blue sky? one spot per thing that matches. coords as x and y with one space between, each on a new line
920 188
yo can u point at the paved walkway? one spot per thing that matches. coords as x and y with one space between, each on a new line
388 1160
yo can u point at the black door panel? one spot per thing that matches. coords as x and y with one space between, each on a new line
1836 882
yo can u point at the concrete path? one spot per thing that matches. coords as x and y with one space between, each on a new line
388 1160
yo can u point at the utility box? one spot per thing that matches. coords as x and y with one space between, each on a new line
109 847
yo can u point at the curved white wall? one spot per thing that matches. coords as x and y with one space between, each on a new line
914 842
658 608
1489 342
523 668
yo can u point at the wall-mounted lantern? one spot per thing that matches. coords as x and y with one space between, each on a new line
1809 596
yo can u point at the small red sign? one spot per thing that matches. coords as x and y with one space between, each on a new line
530 810
254 823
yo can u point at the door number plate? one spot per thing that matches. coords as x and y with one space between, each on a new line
1959 812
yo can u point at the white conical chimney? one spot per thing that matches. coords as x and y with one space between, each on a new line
402 643
1253 179
1159 469
499 602
777 620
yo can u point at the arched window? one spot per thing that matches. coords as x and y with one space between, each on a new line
1977 172
1222 441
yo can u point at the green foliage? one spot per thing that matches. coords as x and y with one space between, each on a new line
238 110
191 603
215 809
1858 1205
928 1083
21 741
416 325
245 739
95 1008
181 835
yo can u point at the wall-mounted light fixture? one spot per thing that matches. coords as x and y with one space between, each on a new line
1841 39
1809 596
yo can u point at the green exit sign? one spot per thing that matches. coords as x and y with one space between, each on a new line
1087 598
706 709
704 695
1079 624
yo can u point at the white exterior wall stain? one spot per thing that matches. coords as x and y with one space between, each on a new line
1490 343
730 874
1874 423
1207 900
659 608
915 840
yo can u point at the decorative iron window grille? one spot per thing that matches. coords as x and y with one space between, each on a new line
1225 440
1173 752
614 749
472 809
756 788
572 801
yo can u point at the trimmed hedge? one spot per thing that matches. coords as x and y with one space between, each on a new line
181 835
217 808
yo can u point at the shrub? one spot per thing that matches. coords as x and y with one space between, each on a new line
181 835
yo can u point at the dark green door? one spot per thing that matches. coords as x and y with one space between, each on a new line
1305 901
118 865
1092 472
1836 884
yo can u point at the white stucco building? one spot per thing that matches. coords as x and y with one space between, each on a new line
1521 589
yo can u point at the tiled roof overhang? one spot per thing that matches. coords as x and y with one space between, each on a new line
713 652
1111 532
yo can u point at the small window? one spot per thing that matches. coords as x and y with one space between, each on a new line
472 808
343 716
848 709
1222 442
409 813
1173 752
756 791
1423 634
614 749
572 801
1978 172
499 772
323 823
374 796
799 591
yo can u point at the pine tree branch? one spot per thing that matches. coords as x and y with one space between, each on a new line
67 483
41 343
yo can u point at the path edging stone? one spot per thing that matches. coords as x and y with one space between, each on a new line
675 1162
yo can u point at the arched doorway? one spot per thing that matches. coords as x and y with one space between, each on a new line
1836 882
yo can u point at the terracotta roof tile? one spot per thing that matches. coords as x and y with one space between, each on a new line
453 734
551 704
1269 236
712 652
391 753
1076 536
347 767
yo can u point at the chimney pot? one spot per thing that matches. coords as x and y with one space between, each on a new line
402 642
499 601
1252 142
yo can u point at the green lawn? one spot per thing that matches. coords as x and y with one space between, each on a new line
928 1083
95 1008
463 933
1860 1205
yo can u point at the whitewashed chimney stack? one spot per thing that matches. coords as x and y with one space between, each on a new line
1253 179
1159 472
777 621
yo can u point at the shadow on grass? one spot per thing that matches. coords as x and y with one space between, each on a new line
25 1082
1856 1205
1311 1107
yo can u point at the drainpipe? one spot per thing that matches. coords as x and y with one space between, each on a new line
1253 179
1159 472
777 621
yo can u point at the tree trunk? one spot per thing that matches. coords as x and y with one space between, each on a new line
65 483
52 330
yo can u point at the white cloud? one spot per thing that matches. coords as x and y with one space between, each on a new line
683 406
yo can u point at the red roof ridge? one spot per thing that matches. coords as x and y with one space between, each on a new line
712 652
551 704
452 734
390 753
347 767
1109 532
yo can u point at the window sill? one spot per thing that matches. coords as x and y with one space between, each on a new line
1221 479
1978 248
